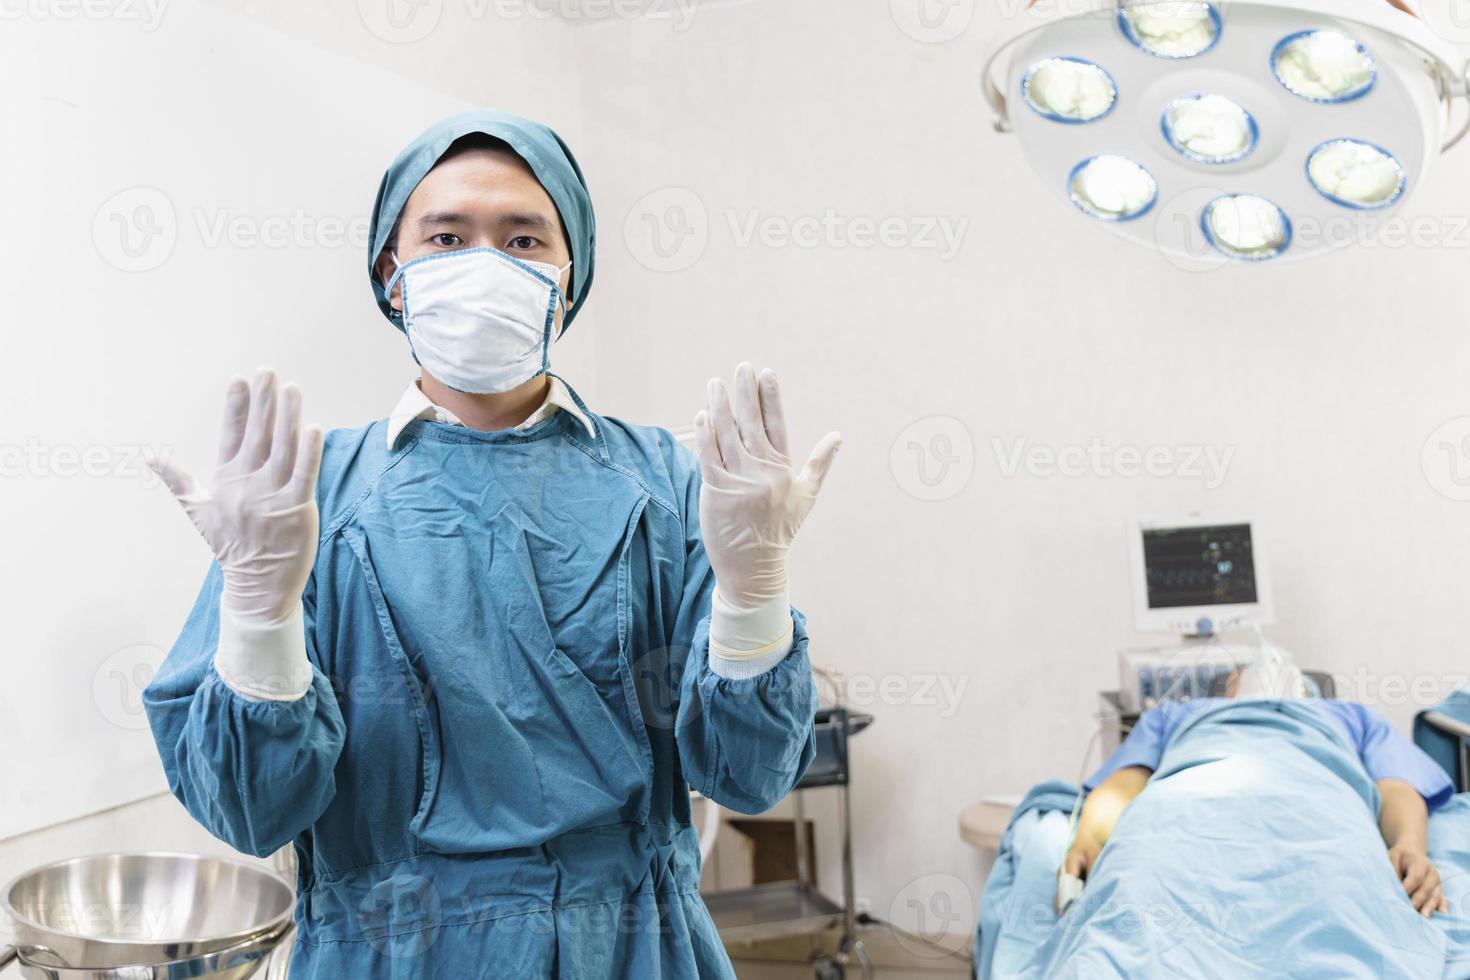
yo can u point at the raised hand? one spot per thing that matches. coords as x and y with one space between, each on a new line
260 516
752 501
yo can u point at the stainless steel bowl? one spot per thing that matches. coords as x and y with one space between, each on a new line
137 910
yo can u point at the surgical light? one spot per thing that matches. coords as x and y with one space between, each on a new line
1209 128
1069 90
1244 226
1112 188
1323 66
1172 29
1356 174
1228 124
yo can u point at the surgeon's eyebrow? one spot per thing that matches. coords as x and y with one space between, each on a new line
515 220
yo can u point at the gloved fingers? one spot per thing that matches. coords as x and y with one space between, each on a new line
748 413
722 420
256 447
820 461
179 483
237 412
308 464
706 448
773 413
287 436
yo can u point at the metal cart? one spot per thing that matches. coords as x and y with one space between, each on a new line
794 908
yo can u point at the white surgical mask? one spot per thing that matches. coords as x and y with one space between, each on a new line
477 319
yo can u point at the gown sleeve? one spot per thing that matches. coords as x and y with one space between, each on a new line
742 743
254 773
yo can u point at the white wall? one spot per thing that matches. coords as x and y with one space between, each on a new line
1324 380
198 120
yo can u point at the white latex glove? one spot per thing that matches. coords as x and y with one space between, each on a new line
752 501
260 518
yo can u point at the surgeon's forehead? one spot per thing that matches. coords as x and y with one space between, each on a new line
482 183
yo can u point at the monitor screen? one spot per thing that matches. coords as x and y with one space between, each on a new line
1199 566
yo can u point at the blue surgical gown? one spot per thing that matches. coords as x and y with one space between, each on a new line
489 776
1385 753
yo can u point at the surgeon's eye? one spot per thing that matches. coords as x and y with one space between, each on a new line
522 242
446 240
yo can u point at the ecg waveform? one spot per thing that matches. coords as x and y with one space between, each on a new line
1199 566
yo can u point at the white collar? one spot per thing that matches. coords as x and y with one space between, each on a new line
416 405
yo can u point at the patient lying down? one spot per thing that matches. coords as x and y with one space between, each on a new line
1409 783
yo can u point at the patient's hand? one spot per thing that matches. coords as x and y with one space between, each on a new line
1420 878
1082 856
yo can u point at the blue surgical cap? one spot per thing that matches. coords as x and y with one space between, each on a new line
544 152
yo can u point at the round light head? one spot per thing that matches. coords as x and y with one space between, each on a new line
1069 90
1112 188
1171 29
1323 66
1210 129
1244 226
1356 174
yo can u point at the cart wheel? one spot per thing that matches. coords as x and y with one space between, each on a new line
826 968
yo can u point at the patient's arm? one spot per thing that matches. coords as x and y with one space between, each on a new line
1404 822
1103 807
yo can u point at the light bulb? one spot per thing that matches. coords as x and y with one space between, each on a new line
1323 66
1245 226
1356 174
1173 29
1069 89
1209 128
1112 188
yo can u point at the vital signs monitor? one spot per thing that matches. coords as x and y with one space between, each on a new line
1198 576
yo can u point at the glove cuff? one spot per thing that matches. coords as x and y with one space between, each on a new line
263 661
746 642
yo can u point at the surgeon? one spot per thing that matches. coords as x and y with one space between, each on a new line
469 660
1410 783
